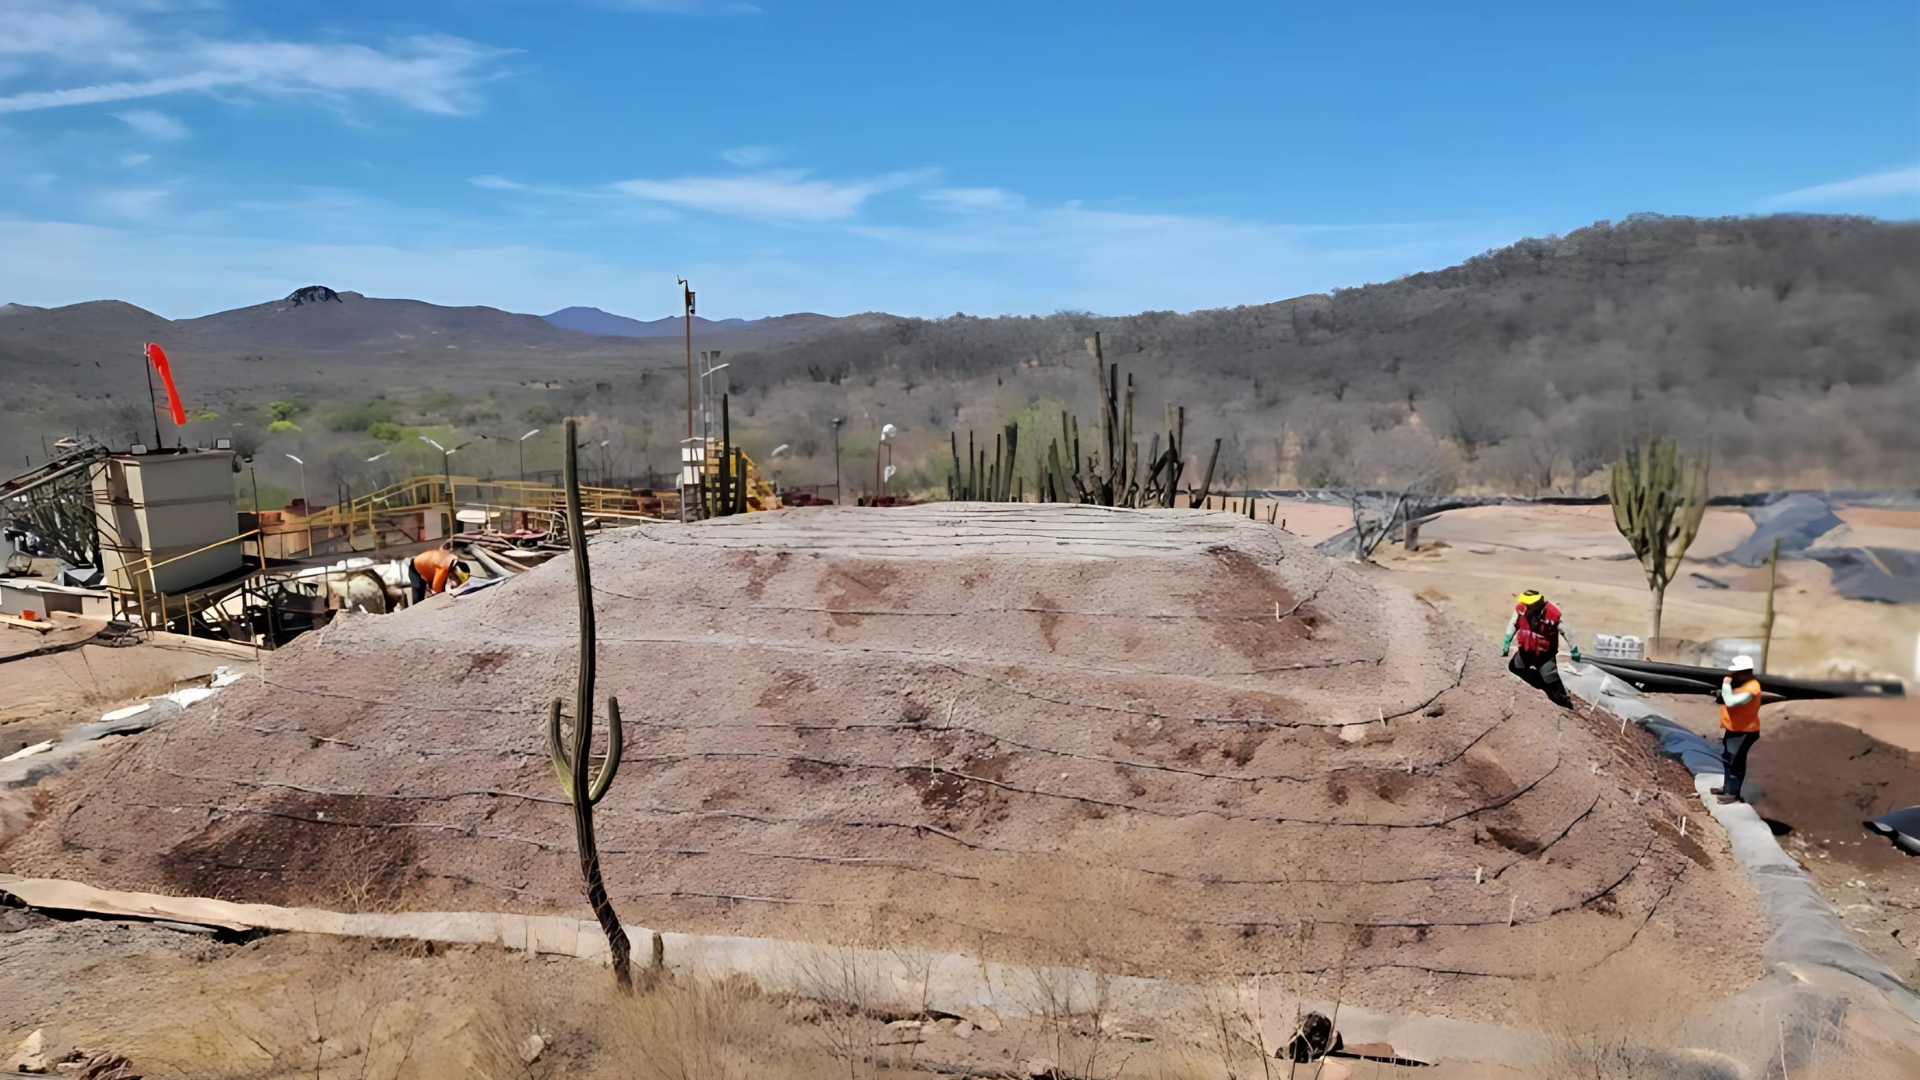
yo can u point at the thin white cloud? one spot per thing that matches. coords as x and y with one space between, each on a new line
134 203
780 195
108 55
31 100
496 183
131 160
153 124
1106 260
432 73
962 199
60 28
749 157
1903 181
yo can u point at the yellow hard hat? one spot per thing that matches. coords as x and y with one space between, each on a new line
1531 597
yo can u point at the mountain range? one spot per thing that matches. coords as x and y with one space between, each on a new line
1789 343
318 319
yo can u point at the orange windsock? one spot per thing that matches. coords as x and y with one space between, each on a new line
158 357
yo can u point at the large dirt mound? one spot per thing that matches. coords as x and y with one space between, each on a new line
1182 741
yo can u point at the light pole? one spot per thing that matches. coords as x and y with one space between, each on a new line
837 489
306 504
304 501
882 475
689 467
523 452
446 476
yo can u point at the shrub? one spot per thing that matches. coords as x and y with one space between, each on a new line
360 417
386 431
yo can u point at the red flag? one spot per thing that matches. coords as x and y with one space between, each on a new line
159 358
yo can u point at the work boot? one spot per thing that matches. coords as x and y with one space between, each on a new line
1728 800
1716 791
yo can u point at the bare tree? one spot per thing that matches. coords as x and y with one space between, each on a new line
1477 420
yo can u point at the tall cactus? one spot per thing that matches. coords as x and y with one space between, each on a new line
573 764
1659 497
1111 473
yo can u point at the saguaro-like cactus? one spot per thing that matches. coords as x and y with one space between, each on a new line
572 759
1659 497
1111 473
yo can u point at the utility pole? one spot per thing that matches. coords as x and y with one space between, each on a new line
692 458
837 489
153 402
1766 626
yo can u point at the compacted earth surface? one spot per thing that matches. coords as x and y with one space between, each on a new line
1822 768
1165 743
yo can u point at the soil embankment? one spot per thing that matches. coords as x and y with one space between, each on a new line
1166 742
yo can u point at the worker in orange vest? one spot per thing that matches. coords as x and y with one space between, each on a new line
1536 627
433 570
1740 724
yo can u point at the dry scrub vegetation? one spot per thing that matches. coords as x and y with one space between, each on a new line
350 1010
1790 338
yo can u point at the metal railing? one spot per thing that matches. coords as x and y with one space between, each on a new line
144 567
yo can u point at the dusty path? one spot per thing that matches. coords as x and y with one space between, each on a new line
1172 743
1475 560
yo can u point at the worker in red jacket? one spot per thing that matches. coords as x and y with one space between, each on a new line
1739 725
433 570
1536 628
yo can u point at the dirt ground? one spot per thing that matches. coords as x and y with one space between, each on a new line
1819 770
188 1005
1822 767
1171 744
1474 561
41 696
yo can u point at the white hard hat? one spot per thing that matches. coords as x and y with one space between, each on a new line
1742 663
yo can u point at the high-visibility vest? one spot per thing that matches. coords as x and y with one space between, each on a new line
1743 717
1537 635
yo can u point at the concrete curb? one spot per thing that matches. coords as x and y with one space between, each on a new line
1808 941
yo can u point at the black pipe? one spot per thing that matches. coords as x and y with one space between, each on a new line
1687 679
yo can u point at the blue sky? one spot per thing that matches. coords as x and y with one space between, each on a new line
916 156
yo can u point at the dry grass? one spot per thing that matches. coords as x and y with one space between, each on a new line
342 1019
1618 1023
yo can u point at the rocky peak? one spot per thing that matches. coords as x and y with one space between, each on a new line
313 294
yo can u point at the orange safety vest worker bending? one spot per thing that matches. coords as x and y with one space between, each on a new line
1740 724
431 571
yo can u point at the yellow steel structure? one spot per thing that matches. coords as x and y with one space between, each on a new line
417 495
446 494
761 494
